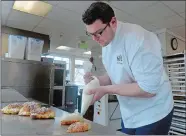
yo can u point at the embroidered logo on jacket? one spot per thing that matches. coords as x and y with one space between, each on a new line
119 59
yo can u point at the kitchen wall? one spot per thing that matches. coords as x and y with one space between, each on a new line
181 44
165 37
4 49
6 31
71 53
0 62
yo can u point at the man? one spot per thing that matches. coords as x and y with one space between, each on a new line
132 58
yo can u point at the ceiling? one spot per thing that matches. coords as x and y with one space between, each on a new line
65 27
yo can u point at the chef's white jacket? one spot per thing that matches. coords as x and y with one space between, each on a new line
134 55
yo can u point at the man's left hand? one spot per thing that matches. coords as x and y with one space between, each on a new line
98 93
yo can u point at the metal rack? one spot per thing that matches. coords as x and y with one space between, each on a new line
176 68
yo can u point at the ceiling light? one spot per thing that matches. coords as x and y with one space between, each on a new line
38 8
63 48
49 56
87 52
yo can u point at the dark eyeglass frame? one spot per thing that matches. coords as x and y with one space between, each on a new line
98 33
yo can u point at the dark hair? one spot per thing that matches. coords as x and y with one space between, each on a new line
98 10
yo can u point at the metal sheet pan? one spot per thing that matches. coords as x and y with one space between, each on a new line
176 70
173 60
175 64
180 110
183 95
179 101
184 91
180 114
182 105
175 133
178 129
179 119
179 124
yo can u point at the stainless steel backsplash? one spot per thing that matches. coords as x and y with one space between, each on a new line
32 79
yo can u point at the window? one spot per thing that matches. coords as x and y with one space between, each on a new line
49 56
79 72
67 60
78 69
57 58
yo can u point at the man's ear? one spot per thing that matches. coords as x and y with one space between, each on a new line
113 21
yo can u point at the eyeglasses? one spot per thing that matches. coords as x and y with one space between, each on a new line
98 33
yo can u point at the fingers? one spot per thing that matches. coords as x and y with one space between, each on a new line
88 74
93 101
90 92
95 98
87 77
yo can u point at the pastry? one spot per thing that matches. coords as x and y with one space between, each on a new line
42 113
28 107
69 119
78 127
13 108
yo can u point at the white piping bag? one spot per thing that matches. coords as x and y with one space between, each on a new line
87 66
86 99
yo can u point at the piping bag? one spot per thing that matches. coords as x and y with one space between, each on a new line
87 99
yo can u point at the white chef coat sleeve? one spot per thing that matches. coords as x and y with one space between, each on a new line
147 67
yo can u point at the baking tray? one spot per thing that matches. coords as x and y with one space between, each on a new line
177 72
180 114
180 98
179 119
175 64
175 133
178 124
182 105
177 76
179 68
180 82
179 101
179 90
172 60
183 95
180 110
180 87
178 129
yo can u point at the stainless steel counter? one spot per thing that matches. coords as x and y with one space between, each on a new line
18 125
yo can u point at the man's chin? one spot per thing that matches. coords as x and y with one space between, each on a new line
103 45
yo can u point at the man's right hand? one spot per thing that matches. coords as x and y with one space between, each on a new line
88 77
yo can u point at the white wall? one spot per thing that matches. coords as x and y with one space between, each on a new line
165 37
0 64
181 44
0 60
69 54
